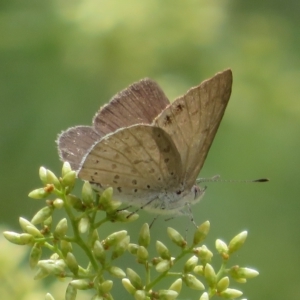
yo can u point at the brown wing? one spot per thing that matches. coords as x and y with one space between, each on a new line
138 162
140 103
193 119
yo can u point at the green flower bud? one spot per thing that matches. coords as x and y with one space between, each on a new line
72 263
117 272
156 260
237 242
49 297
34 231
201 233
15 238
87 194
122 216
42 215
190 264
43 175
142 254
242 273
82 284
55 267
128 286
65 247
75 202
133 248
231 294
58 203
204 296
48 223
210 275
40 274
71 292
167 295
114 238
223 284
99 252
222 248
140 295
248 273
176 285
134 278
176 237
106 286
66 168
24 223
192 282
162 250
26 239
83 225
69 179
120 247
52 179
163 266
204 254
106 198
144 236
35 255
113 206
199 270
61 229
40 193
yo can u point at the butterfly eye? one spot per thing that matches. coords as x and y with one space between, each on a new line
197 192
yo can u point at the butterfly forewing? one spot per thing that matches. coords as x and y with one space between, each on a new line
140 103
193 119
137 160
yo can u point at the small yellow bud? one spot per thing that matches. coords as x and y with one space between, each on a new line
204 296
71 292
162 250
128 286
134 278
42 215
237 242
35 255
223 284
201 233
176 237
192 282
117 272
176 285
163 266
231 294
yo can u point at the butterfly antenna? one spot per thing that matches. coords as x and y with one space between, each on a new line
216 178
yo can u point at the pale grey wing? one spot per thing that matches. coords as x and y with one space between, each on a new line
193 119
140 103
74 143
138 162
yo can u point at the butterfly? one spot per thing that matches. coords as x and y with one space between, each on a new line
148 149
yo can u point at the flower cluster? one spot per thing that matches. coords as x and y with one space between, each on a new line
80 227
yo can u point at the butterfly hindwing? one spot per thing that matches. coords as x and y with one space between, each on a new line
137 160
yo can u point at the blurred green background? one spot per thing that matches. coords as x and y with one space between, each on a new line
61 60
